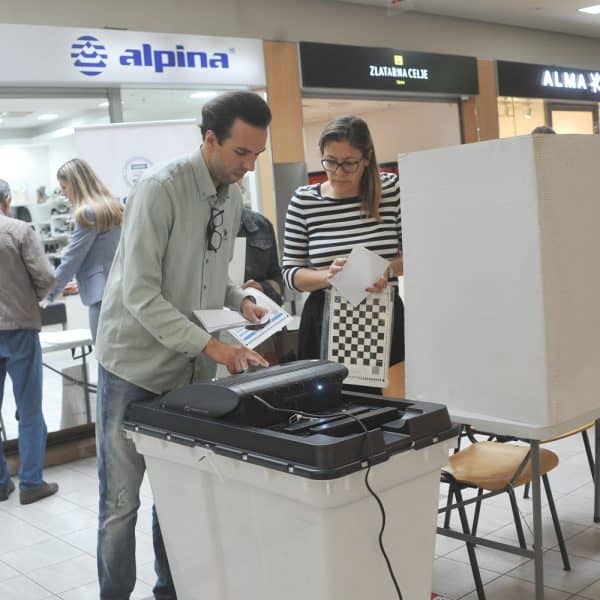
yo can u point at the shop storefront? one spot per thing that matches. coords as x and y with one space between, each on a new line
563 98
411 100
63 90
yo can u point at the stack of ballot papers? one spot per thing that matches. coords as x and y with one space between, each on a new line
217 319
243 331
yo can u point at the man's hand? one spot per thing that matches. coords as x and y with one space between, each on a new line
251 283
236 358
251 311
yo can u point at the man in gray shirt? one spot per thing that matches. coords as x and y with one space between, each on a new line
177 239
26 276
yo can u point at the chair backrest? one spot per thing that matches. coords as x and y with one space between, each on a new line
55 314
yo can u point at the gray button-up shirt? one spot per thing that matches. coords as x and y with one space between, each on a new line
163 271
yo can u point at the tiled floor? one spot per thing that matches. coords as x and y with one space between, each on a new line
48 549
510 577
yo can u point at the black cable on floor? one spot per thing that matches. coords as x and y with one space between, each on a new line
371 491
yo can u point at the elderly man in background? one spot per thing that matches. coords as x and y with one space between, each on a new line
26 276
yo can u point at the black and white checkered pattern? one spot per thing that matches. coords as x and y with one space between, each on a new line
359 337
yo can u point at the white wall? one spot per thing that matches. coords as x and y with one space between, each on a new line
59 152
24 167
314 20
406 127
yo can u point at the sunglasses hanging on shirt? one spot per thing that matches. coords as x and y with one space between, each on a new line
214 237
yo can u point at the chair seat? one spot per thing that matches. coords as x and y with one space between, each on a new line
492 465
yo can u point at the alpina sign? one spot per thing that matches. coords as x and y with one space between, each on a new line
75 56
526 80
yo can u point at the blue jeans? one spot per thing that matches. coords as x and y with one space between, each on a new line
21 358
120 471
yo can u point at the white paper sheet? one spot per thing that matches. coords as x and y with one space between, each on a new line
362 269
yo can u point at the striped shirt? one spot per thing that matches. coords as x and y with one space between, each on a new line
319 229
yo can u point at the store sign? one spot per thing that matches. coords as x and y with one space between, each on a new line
525 80
355 67
108 57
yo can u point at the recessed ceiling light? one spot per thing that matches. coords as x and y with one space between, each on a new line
591 10
203 95
103 104
47 117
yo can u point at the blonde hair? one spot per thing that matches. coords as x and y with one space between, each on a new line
90 192
356 132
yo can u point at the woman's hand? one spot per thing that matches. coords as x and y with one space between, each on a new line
379 285
335 267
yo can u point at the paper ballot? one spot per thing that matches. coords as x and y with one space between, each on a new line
216 319
245 332
362 269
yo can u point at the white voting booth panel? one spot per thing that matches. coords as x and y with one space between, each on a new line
502 296
236 530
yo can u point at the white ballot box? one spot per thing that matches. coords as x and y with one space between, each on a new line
502 293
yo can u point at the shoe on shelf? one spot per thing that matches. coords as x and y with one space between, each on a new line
27 496
6 490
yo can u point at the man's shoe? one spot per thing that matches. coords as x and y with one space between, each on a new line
28 496
6 490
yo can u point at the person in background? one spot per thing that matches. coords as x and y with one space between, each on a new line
41 195
26 276
90 252
356 205
263 271
178 237
542 129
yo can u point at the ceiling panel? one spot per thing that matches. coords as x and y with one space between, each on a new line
550 15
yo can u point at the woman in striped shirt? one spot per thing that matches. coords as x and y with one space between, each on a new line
356 205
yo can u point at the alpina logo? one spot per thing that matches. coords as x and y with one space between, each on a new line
89 55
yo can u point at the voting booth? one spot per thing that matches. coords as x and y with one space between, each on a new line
256 505
502 292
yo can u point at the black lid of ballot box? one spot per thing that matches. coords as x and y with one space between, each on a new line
231 416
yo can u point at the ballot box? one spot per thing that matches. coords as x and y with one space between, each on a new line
257 502
502 297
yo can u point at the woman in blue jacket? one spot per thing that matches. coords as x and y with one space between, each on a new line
89 255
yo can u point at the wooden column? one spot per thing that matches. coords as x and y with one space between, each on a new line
285 100
480 114
287 138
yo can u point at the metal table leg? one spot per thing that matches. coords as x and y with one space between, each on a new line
597 473
536 498
86 391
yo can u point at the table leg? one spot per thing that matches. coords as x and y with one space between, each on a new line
86 391
597 473
536 498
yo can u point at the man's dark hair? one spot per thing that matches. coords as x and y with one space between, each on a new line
219 113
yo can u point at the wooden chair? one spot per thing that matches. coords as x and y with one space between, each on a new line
496 467
586 444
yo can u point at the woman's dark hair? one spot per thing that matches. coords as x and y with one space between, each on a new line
219 113
356 132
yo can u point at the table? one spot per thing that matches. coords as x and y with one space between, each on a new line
533 435
71 339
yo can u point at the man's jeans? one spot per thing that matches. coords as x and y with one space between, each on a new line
121 470
21 358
